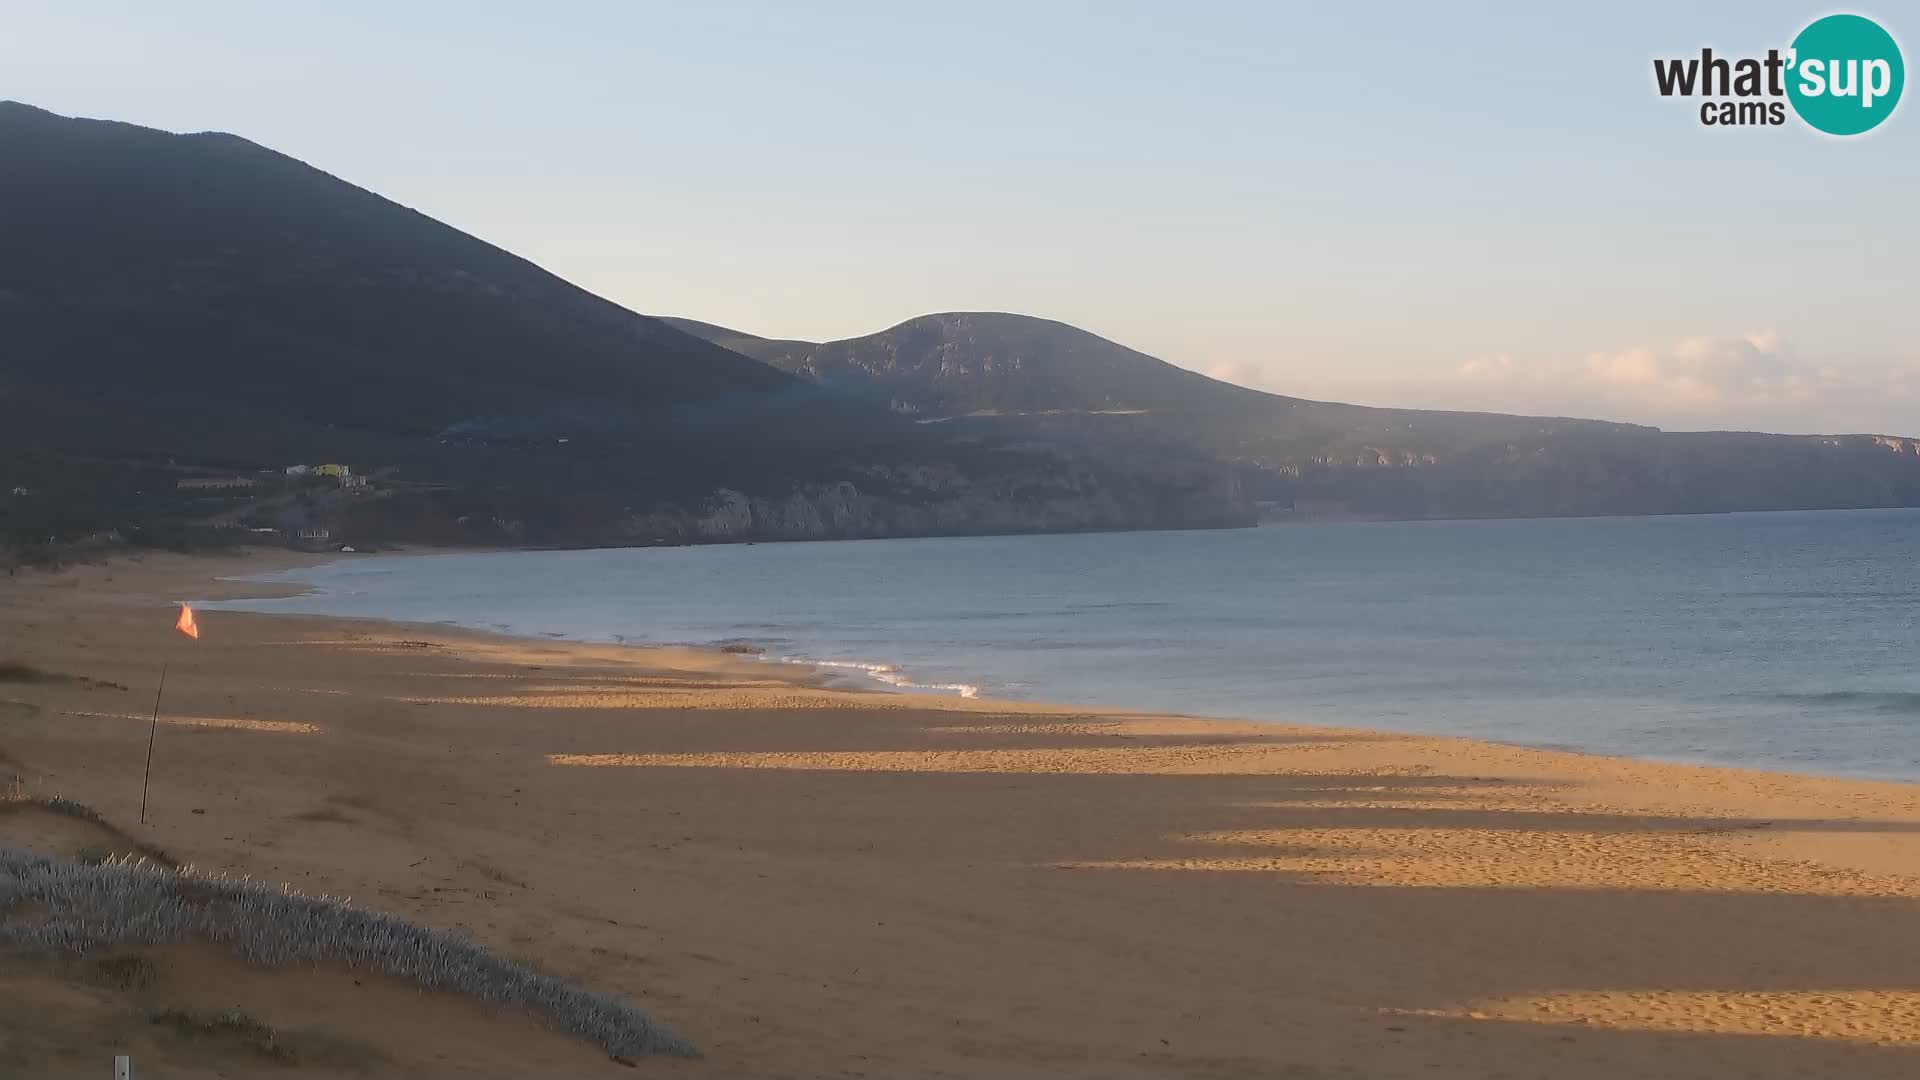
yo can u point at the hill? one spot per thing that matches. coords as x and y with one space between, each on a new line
960 362
737 340
224 276
1015 375
189 309
183 317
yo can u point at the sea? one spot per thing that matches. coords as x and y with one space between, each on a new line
1786 641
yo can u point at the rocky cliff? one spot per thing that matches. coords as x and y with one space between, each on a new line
936 502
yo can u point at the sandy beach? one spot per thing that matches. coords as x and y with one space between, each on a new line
810 881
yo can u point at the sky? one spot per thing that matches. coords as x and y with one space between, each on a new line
1453 206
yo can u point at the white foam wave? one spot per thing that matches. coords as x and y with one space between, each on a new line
890 674
856 665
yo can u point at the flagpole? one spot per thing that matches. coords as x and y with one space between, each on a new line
152 727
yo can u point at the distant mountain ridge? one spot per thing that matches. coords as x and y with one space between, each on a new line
962 362
954 363
1016 374
184 316
959 362
212 271
762 349
179 310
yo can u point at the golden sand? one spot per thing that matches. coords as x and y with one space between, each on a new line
817 882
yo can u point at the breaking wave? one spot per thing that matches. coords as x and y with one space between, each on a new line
888 674
1889 701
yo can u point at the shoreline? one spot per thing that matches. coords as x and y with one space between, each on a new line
871 674
972 886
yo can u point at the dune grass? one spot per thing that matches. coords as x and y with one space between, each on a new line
14 797
233 1025
79 908
125 971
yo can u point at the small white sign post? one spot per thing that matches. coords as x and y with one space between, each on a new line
122 1068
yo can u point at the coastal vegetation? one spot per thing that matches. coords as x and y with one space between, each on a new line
81 908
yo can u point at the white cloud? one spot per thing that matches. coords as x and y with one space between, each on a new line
1233 371
1694 376
1752 381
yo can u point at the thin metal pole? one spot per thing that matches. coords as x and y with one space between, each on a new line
152 726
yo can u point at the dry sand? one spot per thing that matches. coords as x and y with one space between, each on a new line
818 882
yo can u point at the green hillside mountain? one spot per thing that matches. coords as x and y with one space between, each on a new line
184 308
1012 376
220 275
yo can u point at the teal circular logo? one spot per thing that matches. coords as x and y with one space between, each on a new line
1845 74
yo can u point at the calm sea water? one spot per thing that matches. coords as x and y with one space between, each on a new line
1785 641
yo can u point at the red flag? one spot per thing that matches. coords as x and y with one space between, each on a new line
186 625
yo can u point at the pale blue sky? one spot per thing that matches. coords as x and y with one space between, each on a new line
1411 204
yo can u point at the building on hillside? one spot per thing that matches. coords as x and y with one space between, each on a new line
299 470
353 483
212 483
22 491
335 471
